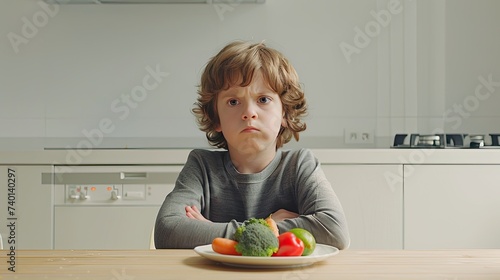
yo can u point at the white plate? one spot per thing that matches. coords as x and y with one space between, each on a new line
320 253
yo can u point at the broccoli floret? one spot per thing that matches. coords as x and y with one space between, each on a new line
256 239
250 221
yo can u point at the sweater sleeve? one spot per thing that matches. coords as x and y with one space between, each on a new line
320 211
173 229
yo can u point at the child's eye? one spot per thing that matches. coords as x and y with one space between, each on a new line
232 102
264 99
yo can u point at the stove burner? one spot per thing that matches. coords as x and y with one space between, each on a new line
416 140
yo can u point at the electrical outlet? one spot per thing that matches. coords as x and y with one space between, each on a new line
358 136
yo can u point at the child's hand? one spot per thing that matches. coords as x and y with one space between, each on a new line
192 212
283 214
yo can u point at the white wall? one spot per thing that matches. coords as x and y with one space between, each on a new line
472 57
69 73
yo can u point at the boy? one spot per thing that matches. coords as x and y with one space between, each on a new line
249 104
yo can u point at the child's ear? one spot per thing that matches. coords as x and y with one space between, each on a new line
284 122
218 128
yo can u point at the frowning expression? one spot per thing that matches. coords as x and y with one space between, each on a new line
250 117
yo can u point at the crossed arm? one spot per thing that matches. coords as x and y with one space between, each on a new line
194 213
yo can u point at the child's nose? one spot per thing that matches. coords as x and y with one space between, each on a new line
249 112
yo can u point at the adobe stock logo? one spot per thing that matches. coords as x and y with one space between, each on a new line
362 39
31 27
455 115
122 107
483 91
222 7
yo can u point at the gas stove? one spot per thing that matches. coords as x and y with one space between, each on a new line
442 141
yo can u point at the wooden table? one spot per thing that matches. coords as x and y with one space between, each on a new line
186 264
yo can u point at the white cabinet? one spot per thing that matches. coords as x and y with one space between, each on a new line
452 206
26 207
109 206
372 198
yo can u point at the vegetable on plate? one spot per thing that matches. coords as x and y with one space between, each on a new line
225 246
255 238
261 238
307 238
289 245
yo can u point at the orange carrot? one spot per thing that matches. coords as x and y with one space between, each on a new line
272 224
224 246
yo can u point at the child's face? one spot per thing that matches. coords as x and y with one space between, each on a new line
250 117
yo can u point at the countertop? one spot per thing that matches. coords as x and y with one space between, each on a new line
186 264
179 156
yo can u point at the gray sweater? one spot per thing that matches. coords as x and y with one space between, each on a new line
293 181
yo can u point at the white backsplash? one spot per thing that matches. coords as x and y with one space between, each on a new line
78 72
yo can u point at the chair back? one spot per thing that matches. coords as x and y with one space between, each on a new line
152 239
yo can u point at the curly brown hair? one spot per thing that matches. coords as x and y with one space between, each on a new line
237 62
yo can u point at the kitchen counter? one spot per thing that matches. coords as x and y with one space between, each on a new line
186 264
381 195
178 156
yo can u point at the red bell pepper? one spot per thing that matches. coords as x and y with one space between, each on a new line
289 245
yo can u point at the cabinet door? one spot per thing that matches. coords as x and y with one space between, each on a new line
372 198
26 206
104 227
452 207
